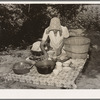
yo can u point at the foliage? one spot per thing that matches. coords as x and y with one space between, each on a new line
11 20
23 24
89 17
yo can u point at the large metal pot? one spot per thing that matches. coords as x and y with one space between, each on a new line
45 66
22 67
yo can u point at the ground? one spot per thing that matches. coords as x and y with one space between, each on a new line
88 79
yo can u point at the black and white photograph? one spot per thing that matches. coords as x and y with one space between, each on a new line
49 46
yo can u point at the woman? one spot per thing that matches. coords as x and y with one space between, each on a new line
56 33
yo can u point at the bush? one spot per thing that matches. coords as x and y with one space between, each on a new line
23 24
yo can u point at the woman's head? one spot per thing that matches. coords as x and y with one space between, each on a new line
55 25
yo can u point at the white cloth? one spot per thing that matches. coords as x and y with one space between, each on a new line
36 46
56 41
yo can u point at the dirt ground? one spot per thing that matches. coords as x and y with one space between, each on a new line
88 79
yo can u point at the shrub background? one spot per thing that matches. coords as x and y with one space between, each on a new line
23 24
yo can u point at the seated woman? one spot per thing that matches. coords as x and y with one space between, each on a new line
56 33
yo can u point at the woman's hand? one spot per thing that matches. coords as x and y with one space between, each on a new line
57 52
45 56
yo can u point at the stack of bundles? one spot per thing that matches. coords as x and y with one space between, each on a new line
77 47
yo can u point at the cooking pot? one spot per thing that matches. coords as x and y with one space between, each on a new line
37 53
45 66
22 67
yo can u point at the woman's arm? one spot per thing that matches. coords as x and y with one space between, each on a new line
42 46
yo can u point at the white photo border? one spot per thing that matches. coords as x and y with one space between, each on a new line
49 93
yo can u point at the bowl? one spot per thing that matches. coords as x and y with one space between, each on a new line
37 53
22 67
45 66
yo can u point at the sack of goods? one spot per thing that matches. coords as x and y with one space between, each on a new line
77 47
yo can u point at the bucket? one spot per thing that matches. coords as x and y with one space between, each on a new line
77 47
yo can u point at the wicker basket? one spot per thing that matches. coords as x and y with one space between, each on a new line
77 47
76 55
77 41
